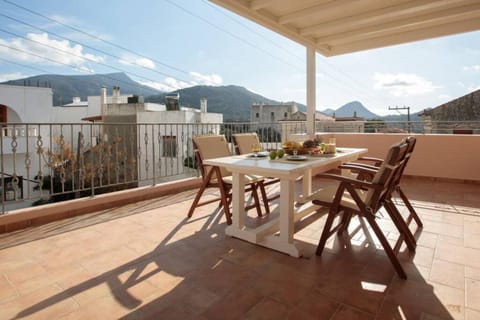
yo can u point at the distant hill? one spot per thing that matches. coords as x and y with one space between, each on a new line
232 101
350 109
66 87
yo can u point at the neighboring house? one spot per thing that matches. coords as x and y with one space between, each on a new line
162 141
271 113
346 124
19 105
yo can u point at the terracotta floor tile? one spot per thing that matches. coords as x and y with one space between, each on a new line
472 314
472 273
314 306
266 309
7 290
447 273
472 294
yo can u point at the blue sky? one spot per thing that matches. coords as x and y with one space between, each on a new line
183 43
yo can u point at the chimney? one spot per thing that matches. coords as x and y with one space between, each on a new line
103 100
116 94
203 104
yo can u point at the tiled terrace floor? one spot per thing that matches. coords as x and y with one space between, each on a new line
147 261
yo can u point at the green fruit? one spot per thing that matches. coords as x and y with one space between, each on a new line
272 154
280 153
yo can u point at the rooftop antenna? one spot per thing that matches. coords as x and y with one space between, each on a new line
408 114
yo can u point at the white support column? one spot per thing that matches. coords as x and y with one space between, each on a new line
311 91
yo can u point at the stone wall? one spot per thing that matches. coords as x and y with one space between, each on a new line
466 108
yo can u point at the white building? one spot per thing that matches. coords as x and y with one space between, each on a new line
32 127
270 113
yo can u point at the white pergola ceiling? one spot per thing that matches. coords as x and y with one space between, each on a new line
336 27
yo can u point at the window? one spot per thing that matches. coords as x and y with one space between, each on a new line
257 115
272 116
169 146
3 114
285 115
3 119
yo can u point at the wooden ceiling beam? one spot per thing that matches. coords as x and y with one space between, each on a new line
386 14
400 38
417 22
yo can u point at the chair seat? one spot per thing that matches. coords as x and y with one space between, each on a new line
325 196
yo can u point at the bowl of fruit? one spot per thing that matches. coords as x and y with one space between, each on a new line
301 147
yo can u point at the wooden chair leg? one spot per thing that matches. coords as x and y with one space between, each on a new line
224 196
409 206
265 200
199 193
401 225
386 246
256 199
347 216
326 232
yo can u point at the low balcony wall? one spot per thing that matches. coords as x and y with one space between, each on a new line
455 157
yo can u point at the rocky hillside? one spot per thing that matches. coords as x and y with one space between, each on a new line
466 108
65 87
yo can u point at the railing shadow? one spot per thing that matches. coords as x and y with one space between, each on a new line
138 266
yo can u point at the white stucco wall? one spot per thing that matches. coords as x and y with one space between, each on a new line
27 104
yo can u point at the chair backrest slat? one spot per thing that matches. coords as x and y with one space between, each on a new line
387 174
244 141
209 147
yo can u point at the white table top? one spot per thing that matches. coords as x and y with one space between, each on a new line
279 168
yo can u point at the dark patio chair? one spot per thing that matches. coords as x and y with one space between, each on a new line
355 167
363 198
215 146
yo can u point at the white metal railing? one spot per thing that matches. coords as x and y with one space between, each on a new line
42 163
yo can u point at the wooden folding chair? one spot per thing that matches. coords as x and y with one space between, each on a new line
243 145
356 167
363 198
215 146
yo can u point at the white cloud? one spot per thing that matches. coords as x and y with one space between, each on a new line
171 84
444 97
403 84
142 62
208 79
12 76
475 68
42 46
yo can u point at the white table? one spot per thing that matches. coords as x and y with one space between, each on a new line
288 172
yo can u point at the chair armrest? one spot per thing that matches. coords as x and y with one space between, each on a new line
377 161
344 179
359 167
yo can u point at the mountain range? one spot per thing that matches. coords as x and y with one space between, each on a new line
232 101
66 87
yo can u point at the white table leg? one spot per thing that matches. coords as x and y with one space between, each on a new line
286 211
238 204
307 183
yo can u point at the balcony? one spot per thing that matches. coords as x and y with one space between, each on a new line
146 260
135 255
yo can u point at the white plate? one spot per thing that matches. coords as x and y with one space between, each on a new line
296 158
259 155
